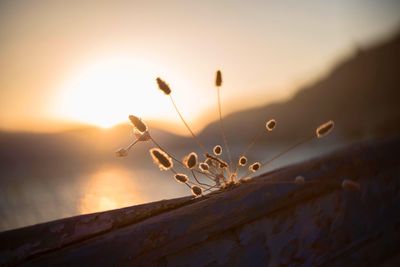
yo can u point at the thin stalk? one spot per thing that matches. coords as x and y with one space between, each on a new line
132 144
169 154
250 146
160 147
211 178
303 141
222 128
188 185
209 189
194 176
208 174
252 143
190 182
187 125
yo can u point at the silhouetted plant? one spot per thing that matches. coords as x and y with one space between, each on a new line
214 168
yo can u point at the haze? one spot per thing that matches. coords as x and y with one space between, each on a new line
94 62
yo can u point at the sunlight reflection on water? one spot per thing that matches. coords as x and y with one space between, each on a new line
110 187
46 192
30 196
113 186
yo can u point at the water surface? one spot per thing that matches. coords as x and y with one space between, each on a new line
31 194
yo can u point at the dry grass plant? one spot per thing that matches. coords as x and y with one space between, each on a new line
214 168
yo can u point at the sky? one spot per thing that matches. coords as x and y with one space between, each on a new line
95 62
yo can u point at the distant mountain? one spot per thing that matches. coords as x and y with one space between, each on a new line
79 146
362 95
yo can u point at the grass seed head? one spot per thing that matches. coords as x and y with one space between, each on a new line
270 125
141 136
181 178
196 190
223 164
218 78
255 166
242 161
139 125
215 161
325 129
122 152
351 185
204 167
190 161
161 159
217 150
208 161
163 86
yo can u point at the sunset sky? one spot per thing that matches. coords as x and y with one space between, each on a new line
95 62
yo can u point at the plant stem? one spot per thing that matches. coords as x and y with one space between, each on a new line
303 141
187 125
132 144
194 176
160 147
222 128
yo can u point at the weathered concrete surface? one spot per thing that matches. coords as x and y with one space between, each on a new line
265 222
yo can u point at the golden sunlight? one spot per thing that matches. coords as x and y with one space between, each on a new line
109 188
105 92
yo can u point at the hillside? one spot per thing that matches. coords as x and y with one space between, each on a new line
361 94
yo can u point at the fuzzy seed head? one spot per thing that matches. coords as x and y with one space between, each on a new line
122 152
325 129
204 167
181 178
190 161
299 180
141 136
351 185
139 125
255 166
218 78
196 190
208 161
242 161
270 125
217 150
223 164
216 161
163 86
161 159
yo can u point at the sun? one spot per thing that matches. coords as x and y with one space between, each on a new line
106 91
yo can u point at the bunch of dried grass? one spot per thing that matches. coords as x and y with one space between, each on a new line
215 168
